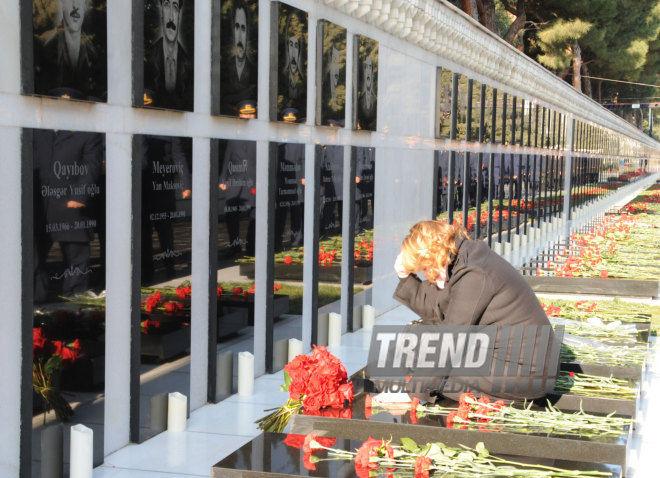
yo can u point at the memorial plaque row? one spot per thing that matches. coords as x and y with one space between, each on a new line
70 54
70 51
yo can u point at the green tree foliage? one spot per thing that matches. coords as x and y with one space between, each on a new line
617 44
556 42
615 39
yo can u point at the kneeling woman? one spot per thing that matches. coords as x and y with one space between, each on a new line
468 284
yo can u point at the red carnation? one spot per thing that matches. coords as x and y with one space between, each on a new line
288 260
313 402
466 398
422 466
309 438
413 410
498 405
450 418
366 458
346 391
346 413
308 447
308 463
38 339
295 441
367 407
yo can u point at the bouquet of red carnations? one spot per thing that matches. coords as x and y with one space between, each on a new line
314 382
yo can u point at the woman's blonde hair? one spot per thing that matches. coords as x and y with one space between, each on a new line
428 247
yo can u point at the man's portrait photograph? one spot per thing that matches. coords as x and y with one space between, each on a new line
69 45
238 49
291 65
169 54
331 73
366 85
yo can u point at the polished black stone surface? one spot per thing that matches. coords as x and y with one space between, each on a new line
596 286
269 455
398 424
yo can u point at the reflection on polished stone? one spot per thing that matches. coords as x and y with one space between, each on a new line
397 421
282 455
69 282
166 251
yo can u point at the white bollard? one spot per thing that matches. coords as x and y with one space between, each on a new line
177 412
82 452
245 373
334 329
368 317
295 348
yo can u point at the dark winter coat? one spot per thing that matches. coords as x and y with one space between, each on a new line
481 289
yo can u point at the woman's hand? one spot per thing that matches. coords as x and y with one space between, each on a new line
441 279
401 271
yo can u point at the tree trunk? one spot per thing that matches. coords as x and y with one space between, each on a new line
586 81
518 24
639 118
486 9
470 7
599 93
577 66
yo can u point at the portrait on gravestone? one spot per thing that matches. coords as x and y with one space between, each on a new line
366 83
292 65
238 49
69 47
169 54
331 71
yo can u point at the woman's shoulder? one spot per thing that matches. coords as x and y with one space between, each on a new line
471 251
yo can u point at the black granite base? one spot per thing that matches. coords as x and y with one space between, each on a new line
268 456
564 401
634 372
229 304
596 286
600 449
330 273
165 346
